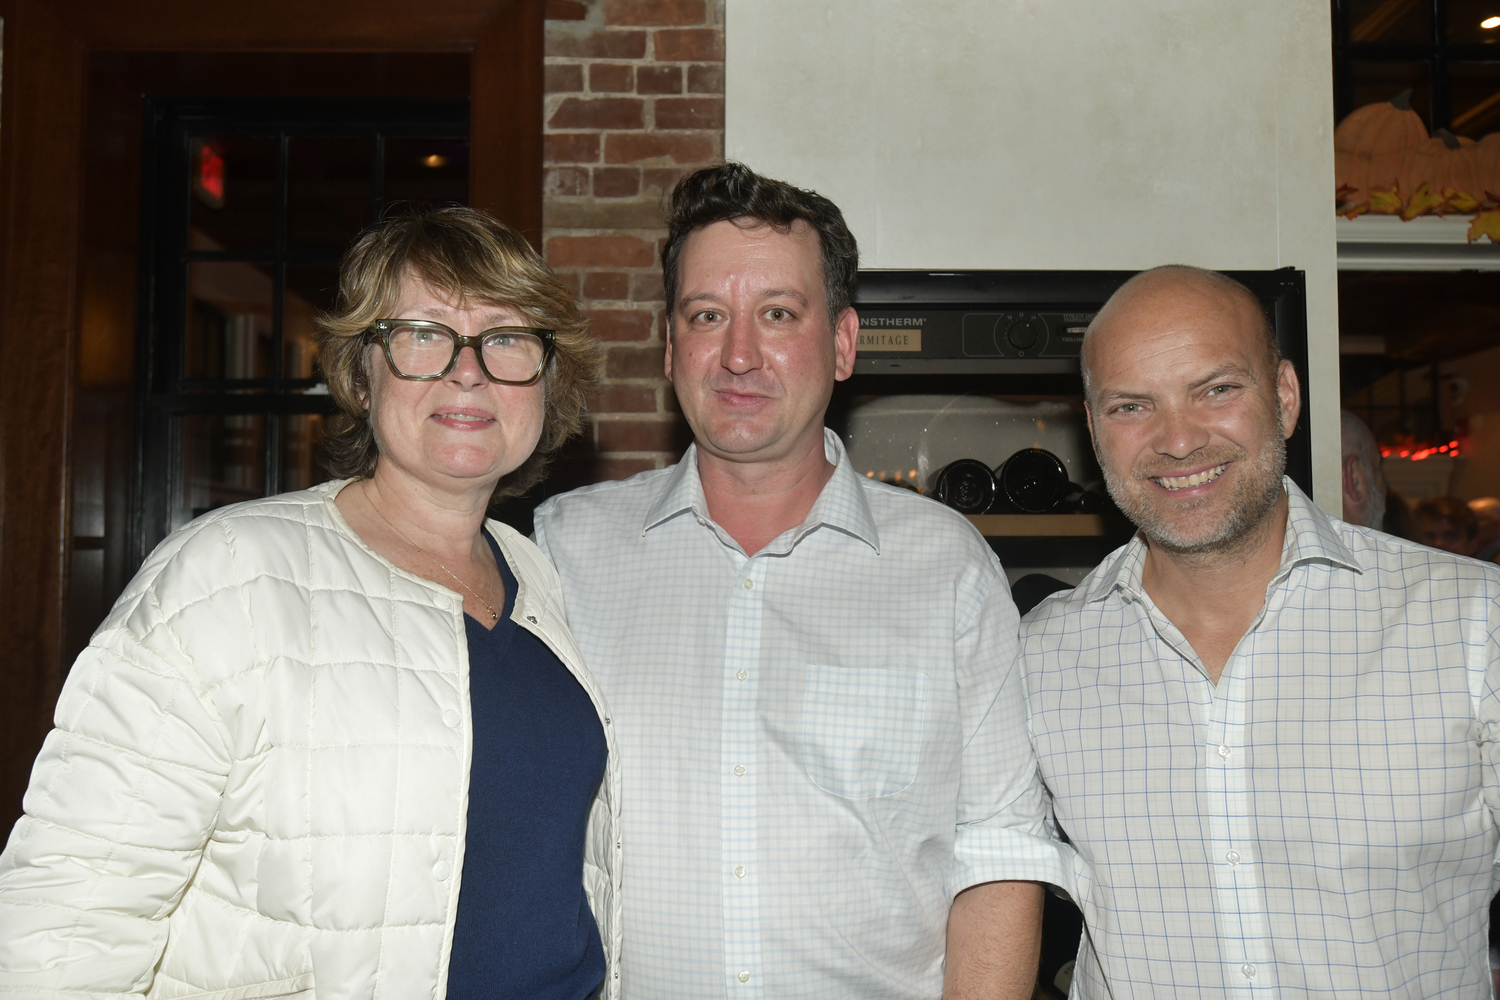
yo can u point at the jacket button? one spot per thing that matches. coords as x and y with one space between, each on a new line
451 719
442 871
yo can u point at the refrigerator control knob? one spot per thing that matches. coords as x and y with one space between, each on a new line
1026 333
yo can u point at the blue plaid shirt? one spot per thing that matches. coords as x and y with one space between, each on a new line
822 744
1319 824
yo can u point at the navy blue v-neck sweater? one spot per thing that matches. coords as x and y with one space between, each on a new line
524 928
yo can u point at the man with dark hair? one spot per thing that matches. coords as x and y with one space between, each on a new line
1270 735
811 674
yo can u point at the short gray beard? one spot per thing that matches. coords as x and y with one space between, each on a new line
1251 505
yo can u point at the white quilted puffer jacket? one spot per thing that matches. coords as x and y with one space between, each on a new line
258 782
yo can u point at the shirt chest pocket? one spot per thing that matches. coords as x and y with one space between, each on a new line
862 729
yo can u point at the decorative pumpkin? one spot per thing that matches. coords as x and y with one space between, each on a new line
1440 176
1487 167
1370 148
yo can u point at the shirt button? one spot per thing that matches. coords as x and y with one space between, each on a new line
1233 857
442 871
748 584
1247 970
451 719
744 975
1224 752
739 770
701 519
739 871
741 674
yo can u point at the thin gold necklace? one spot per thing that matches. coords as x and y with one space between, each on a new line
494 615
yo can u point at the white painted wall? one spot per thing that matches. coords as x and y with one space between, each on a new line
1058 134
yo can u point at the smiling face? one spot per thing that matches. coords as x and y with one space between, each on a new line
1189 419
459 433
752 354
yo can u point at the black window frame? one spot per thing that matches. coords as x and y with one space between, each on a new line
1437 52
163 394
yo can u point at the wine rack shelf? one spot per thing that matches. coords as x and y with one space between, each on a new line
1039 525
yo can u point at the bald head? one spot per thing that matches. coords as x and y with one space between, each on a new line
1150 295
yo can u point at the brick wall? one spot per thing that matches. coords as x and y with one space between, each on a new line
634 101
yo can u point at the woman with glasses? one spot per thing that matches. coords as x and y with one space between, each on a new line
339 743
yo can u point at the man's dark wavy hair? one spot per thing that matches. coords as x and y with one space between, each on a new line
732 192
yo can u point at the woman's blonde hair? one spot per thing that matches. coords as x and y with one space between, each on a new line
471 256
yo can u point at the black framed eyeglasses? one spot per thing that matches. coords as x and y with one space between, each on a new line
421 350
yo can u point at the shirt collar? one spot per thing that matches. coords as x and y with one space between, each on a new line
1310 537
841 504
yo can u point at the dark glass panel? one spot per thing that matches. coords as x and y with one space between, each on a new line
222 463
330 190
301 438
1466 19
228 320
427 171
1381 80
310 289
238 210
1474 95
1408 21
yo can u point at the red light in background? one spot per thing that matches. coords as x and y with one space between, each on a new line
211 172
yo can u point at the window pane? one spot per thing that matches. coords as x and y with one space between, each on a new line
221 463
301 465
1381 80
330 189
233 182
1390 21
228 320
310 289
1465 19
1474 95
427 171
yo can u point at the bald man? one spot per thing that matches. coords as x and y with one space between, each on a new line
1269 734
1364 485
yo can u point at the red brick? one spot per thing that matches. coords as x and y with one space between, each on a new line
706 79
620 324
566 10
611 78
690 112
633 362
602 112
633 147
653 12
564 78
606 285
572 281
646 287
606 44
571 148
600 251
565 181
623 399
658 80
639 435
657 181
616 182
689 45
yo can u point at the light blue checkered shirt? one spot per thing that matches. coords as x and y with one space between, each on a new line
821 744
1321 823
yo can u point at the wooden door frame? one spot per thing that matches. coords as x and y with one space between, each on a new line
43 97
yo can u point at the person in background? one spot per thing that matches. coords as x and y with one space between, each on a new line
1447 524
1487 541
1270 734
812 673
340 743
1364 486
